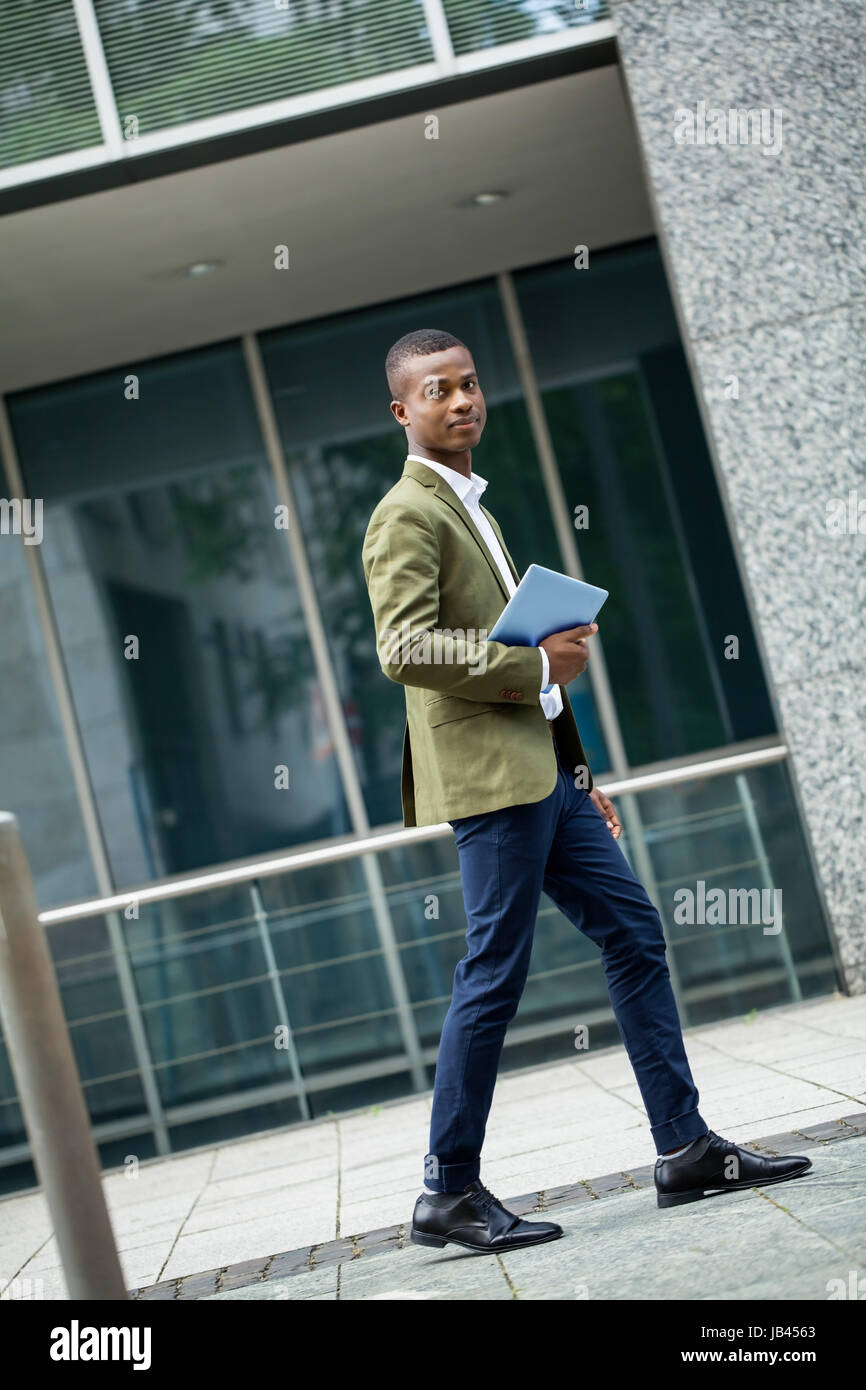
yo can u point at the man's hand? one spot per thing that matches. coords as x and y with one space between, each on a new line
604 806
567 653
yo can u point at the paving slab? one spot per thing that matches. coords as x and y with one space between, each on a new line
268 1196
788 1241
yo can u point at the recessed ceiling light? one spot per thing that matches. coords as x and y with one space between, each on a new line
483 200
201 268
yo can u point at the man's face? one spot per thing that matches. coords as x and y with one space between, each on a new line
443 406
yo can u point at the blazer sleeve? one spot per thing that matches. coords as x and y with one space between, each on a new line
401 566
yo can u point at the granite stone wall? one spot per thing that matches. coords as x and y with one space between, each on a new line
750 118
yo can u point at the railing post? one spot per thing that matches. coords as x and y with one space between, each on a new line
49 1089
282 1008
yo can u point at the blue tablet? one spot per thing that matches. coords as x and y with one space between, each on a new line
546 602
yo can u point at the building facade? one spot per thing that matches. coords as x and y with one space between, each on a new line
220 220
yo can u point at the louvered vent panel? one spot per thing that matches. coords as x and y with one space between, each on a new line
479 24
173 61
46 105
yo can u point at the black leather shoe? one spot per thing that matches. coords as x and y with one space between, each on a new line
477 1220
716 1165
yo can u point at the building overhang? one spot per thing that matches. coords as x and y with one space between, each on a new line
369 212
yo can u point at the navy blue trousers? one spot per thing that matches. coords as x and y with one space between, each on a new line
560 846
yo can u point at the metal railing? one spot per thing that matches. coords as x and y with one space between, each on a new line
62 1139
193 989
351 847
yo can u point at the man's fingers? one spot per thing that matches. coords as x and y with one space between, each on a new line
606 808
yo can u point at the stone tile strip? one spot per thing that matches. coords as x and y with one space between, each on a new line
386 1238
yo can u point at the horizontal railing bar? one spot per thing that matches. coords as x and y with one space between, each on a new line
713 767
378 843
409 944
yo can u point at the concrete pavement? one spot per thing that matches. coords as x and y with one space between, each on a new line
804 1239
212 1218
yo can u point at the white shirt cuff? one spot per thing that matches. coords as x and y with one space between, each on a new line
545 669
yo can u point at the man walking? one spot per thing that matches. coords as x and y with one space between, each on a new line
489 750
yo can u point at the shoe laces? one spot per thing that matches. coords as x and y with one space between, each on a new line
483 1196
731 1147
726 1145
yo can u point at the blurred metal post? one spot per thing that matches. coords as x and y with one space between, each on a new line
48 1084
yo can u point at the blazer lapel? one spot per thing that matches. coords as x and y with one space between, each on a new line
443 490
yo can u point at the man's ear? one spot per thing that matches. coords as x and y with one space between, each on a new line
398 410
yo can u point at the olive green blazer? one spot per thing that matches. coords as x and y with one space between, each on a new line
476 737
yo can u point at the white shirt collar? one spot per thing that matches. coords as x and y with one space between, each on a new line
462 485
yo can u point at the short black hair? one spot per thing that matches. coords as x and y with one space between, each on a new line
421 343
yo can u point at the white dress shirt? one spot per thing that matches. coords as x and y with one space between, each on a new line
469 491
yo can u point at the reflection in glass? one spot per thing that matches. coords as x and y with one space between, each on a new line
345 451
639 486
181 626
738 834
35 777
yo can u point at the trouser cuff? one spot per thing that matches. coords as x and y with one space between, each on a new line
451 1177
682 1129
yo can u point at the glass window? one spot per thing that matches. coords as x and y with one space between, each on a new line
489 23
649 525
181 626
743 921
345 451
35 777
173 63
